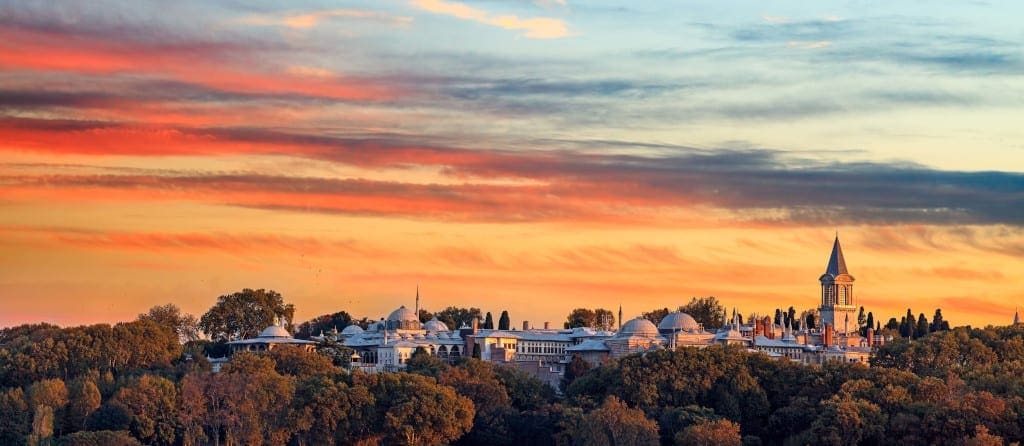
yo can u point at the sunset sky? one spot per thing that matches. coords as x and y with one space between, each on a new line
508 154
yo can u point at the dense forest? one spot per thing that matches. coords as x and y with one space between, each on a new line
138 383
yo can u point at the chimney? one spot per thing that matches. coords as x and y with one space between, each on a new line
826 335
871 337
476 325
526 325
547 325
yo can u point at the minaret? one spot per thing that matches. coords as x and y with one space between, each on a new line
620 317
1016 317
417 300
837 302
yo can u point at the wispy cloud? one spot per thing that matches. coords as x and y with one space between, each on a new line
312 19
533 28
809 45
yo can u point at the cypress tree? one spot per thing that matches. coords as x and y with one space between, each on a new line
922 326
504 322
488 322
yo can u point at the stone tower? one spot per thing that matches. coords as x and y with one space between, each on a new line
838 306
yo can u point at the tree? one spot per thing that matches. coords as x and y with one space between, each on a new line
599 318
151 403
46 398
811 323
614 423
184 325
922 326
604 320
83 399
791 314
415 409
322 323
423 363
504 322
15 423
455 317
938 323
862 318
706 310
711 433
576 368
656 315
298 362
477 381
99 438
893 324
869 323
778 317
581 317
244 314
488 322
425 316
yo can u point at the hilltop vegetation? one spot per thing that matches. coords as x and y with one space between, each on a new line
134 383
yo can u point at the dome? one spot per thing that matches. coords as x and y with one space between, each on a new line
435 325
275 331
582 331
352 330
403 314
638 327
678 321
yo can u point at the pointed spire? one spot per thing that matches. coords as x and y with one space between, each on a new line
836 262
1016 317
417 300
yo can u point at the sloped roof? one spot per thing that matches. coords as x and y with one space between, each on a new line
836 262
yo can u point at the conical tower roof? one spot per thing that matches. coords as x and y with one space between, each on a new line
836 262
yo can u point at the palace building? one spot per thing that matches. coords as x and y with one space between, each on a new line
387 345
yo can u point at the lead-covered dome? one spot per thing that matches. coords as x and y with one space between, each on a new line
678 321
403 314
638 327
275 331
435 325
404 319
351 330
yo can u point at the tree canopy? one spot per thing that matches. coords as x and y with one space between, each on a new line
244 314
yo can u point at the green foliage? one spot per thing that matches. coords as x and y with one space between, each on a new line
504 322
615 423
184 325
706 310
455 317
423 363
959 386
488 322
244 314
598 318
710 433
323 323
15 421
99 438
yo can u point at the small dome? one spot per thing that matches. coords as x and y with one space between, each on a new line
678 321
275 331
352 330
435 325
403 314
638 327
583 331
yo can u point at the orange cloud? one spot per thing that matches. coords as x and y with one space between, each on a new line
534 28
225 67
